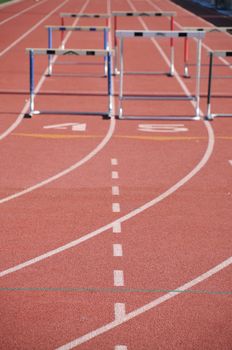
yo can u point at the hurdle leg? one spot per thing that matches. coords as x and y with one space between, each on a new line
49 56
105 48
109 77
32 95
62 34
116 71
120 114
186 56
209 116
172 50
198 80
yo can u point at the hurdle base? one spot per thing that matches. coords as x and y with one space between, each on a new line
27 116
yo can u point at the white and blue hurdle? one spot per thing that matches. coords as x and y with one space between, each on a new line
212 54
200 29
62 29
127 34
66 52
167 14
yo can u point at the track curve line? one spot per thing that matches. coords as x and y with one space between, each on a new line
133 213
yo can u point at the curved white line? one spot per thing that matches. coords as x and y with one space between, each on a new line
126 217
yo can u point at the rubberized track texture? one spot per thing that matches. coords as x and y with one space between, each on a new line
115 234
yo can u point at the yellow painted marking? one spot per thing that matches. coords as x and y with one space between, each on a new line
132 137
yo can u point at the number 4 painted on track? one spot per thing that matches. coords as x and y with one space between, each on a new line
162 127
65 126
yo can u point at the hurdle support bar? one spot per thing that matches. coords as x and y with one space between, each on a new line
200 29
123 34
212 54
117 14
67 52
62 29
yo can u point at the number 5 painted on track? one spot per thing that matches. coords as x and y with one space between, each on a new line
65 126
162 128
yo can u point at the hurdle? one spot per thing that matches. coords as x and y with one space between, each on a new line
64 52
62 29
200 29
170 15
212 54
124 34
64 15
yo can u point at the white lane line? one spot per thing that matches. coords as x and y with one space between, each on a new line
137 312
230 161
71 168
117 250
115 191
32 29
119 311
120 347
116 208
117 227
114 161
118 278
126 217
21 12
206 47
115 175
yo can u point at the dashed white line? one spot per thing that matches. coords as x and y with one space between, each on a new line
115 175
115 191
117 227
114 161
119 311
118 278
117 250
116 208
120 347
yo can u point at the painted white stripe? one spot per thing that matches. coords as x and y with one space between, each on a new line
206 47
32 28
21 12
117 250
115 175
116 208
230 161
114 161
137 312
115 191
126 217
120 347
118 278
119 311
117 227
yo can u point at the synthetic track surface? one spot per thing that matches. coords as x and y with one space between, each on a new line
117 236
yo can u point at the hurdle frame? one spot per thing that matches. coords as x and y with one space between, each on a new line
123 34
64 15
62 52
170 14
212 54
200 29
52 28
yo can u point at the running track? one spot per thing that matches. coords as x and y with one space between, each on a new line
115 237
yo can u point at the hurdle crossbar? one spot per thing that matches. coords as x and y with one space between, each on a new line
212 54
117 14
68 52
123 34
62 29
200 29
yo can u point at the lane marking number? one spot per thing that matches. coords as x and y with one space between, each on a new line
65 126
162 128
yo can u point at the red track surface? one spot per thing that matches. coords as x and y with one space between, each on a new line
57 186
